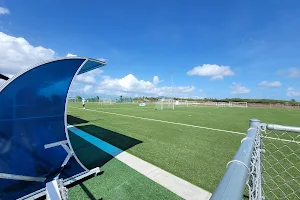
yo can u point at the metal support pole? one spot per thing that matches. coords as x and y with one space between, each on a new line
253 123
232 185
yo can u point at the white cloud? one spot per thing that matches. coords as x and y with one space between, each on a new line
70 55
237 88
102 59
216 72
87 88
130 85
3 11
155 80
269 84
292 72
200 90
16 54
85 79
89 77
292 93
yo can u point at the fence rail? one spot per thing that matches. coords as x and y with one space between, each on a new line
266 165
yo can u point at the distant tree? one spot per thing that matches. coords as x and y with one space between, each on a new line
293 100
78 97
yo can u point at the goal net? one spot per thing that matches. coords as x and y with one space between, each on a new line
223 104
195 103
164 104
105 102
181 103
238 104
70 99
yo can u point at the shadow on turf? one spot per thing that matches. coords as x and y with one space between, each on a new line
90 155
76 121
88 193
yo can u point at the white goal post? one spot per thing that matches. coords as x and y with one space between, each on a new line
195 103
163 104
181 103
223 104
105 102
238 104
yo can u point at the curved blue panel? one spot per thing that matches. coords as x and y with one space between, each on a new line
32 115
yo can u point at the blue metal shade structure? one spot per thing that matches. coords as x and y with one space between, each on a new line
34 143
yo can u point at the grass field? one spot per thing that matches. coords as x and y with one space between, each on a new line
193 143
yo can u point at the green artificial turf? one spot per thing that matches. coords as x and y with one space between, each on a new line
195 154
118 180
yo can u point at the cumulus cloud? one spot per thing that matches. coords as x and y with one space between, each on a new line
216 72
291 92
292 72
16 54
89 77
3 11
237 88
130 85
155 80
70 55
87 88
85 79
269 84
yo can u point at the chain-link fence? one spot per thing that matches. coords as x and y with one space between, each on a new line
280 162
266 166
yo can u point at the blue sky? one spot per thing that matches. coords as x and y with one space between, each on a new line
218 49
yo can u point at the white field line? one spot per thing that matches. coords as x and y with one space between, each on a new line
292 141
181 124
163 121
171 182
118 108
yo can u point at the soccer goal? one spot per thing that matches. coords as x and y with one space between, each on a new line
223 104
181 103
105 102
70 99
195 103
238 104
163 104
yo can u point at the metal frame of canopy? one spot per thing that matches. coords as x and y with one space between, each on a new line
3 77
56 189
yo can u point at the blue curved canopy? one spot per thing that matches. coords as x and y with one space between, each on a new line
32 115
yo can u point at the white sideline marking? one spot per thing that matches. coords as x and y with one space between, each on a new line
168 122
108 108
173 183
293 141
189 125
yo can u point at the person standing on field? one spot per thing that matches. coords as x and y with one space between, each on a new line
83 103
